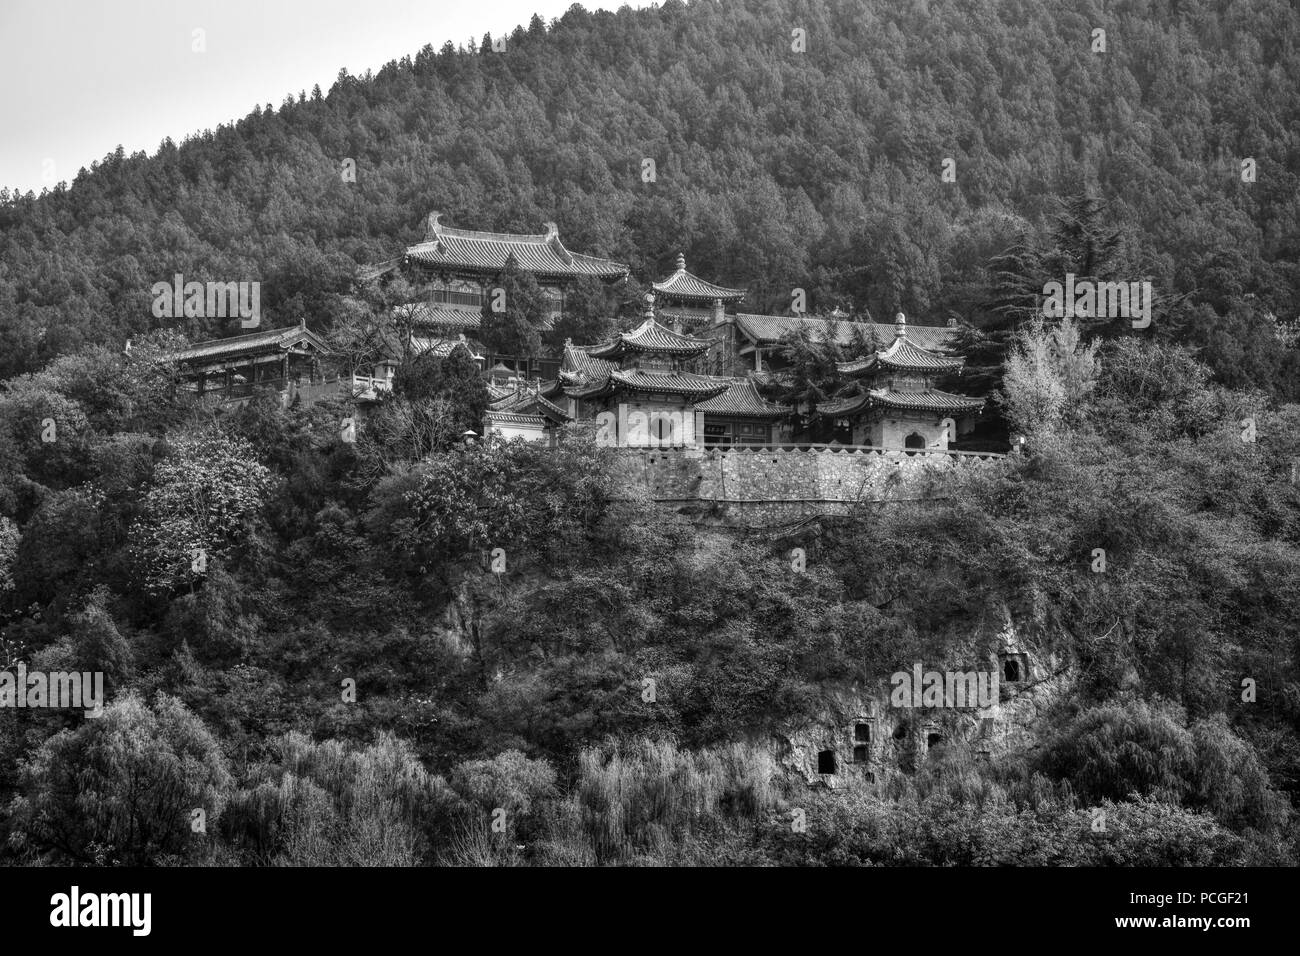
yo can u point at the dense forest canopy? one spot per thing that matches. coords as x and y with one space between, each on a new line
774 169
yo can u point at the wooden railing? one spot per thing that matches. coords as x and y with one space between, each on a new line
447 297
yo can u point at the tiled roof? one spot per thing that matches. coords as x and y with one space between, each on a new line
697 387
254 342
552 388
742 399
457 318
903 354
770 329
683 383
442 347
515 418
845 406
682 285
526 400
579 364
930 400
488 251
650 336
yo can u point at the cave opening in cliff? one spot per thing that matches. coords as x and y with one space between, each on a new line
1011 671
862 733
826 761
860 753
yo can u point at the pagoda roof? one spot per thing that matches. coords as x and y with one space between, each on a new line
238 346
741 399
903 354
771 329
542 253
927 400
684 286
650 336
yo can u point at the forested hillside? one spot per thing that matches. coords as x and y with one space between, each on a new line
775 169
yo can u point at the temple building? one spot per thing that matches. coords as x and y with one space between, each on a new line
740 416
694 306
523 412
898 406
644 391
689 376
289 362
458 271
638 387
689 304
759 339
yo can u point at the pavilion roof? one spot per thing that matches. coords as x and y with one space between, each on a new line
684 286
542 253
905 355
238 346
650 336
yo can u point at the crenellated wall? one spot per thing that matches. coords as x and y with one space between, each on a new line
760 486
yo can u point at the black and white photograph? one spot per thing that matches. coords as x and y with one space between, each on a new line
635 440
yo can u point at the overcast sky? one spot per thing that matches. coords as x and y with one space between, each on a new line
80 77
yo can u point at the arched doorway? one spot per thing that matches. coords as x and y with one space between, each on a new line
914 442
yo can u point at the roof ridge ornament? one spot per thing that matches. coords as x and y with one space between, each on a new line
552 239
431 227
681 262
900 326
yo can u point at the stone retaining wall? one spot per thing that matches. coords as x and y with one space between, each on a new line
763 486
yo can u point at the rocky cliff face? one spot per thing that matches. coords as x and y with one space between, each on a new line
865 735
